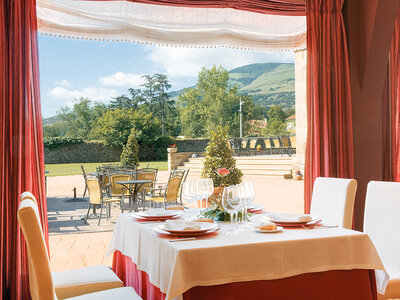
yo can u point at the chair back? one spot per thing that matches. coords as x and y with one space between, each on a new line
244 144
267 143
116 188
381 220
94 190
285 142
292 141
276 142
28 195
146 176
253 143
40 278
173 188
333 200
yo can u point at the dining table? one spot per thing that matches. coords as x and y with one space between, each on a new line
133 186
295 263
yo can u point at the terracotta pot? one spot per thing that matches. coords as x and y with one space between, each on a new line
172 150
298 177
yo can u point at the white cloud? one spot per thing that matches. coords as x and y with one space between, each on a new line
187 62
64 83
93 93
122 79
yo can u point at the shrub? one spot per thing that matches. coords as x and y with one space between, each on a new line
161 145
218 155
55 142
129 155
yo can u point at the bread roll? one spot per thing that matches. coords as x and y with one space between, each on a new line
204 220
175 207
267 226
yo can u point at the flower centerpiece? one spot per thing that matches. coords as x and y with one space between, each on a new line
216 211
259 148
172 148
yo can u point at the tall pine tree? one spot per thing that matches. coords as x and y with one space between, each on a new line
129 155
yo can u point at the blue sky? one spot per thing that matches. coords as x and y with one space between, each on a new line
70 69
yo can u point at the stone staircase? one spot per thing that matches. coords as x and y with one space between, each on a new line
275 166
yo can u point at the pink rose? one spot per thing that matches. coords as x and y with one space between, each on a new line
223 172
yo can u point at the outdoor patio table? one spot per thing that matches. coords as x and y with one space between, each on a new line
133 186
324 263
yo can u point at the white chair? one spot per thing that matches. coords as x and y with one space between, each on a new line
42 284
333 200
381 222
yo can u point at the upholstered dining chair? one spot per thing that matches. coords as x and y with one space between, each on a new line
333 200
381 222
45 285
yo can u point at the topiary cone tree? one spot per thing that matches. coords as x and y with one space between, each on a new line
129 155
218 155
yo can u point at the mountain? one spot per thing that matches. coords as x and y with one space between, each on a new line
51 120
268 83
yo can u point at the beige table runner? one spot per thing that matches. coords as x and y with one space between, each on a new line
177 267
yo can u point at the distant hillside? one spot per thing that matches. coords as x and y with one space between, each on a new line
51 120
268 83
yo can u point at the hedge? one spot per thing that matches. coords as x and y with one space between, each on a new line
59 141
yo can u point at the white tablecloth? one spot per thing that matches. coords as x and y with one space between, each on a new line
177 267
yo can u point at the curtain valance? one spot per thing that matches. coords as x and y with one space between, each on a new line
170 25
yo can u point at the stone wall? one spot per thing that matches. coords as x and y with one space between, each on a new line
192 145
175 159
85 152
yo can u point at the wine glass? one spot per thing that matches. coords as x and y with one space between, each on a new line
188 194
209 187
230 202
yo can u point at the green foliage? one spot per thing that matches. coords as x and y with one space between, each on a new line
276 121
219 155
161 145
115 126
55 142
54 130
129 155
212 103
79 120
126 102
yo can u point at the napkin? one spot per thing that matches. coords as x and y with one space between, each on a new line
290 217
266 225
158 212
179 225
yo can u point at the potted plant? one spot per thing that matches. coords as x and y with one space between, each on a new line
172 148
298 175
258 148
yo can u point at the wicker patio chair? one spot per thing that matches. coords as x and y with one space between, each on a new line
243 147
169 194
268 146
98 196
253 146
143 189
277 145
285 146
293 143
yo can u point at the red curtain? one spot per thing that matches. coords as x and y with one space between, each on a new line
272 7
21 148
394 75
329 151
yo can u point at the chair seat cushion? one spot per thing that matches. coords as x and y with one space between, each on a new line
124 293
392 290
113 199
83 281
155 199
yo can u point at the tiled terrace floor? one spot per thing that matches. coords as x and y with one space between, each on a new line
74 245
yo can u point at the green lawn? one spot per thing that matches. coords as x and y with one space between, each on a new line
75 169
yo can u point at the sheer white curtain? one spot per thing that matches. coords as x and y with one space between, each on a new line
170 25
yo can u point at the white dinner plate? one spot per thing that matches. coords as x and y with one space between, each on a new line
278 228
283 221
203 228
186 234
159 214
